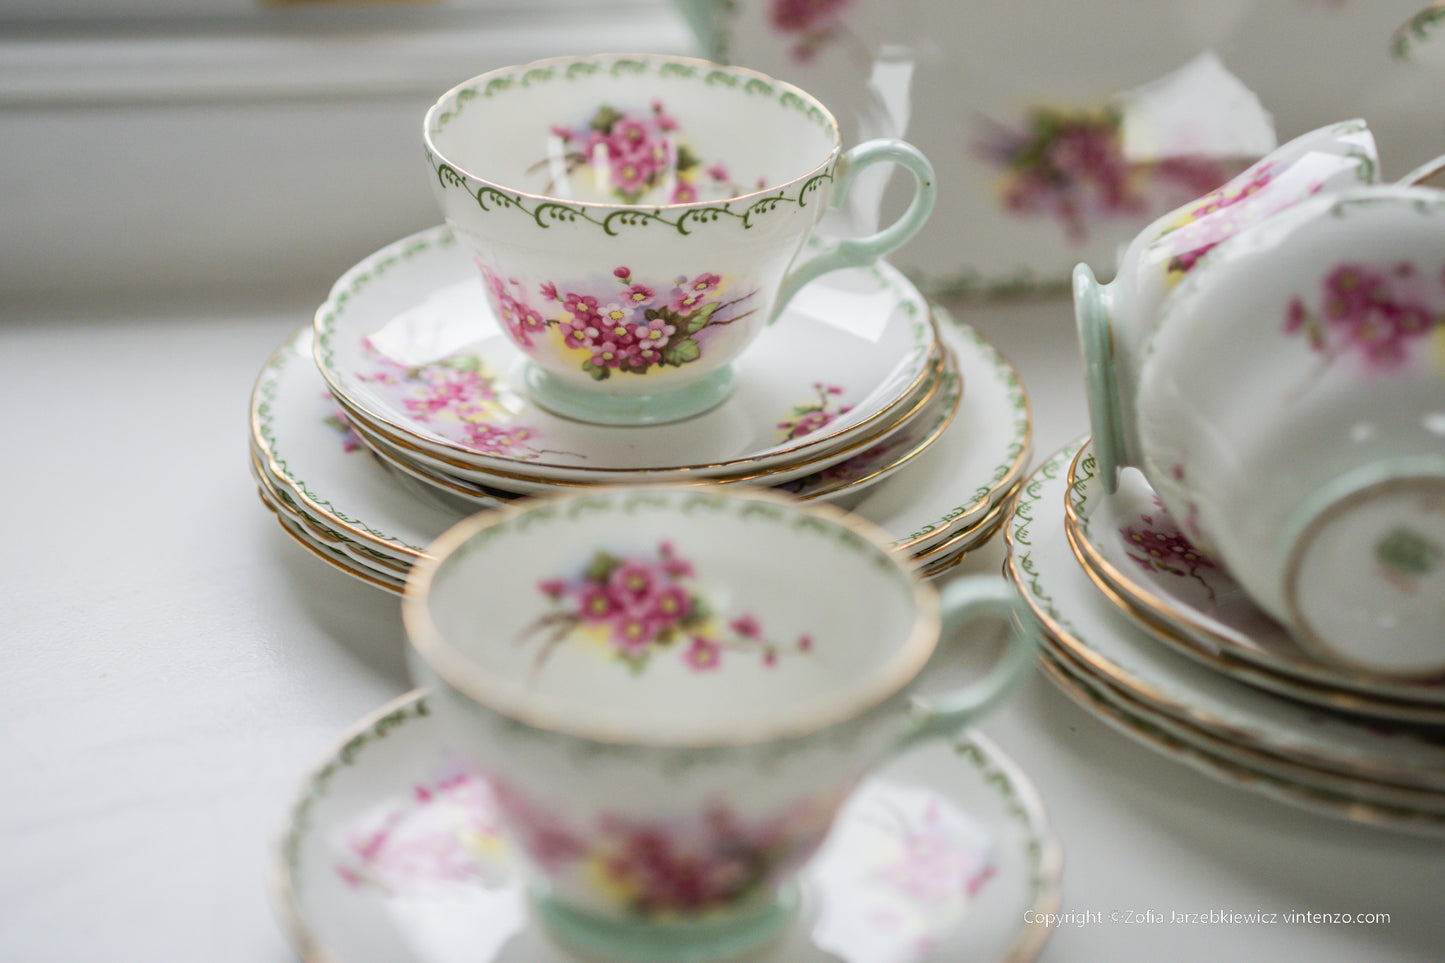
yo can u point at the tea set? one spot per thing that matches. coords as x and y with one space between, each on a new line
664 475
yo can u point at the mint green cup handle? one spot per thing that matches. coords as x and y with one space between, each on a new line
1101 379
965 601
862 251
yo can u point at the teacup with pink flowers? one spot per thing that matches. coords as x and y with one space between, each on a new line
638 220
672 691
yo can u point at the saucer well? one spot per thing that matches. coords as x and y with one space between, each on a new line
1129 545
1104 645
408 343
392 852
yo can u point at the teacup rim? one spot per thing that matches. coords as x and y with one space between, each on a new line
439 158
848 704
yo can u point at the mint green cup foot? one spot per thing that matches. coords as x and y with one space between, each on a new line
707 940
567 400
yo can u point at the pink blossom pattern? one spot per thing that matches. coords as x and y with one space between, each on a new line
338 421
1381 314
630 328
811 24
640 151
638 607
1158 545
1070 165
809 417
655 869
458 397
447 830
1219 215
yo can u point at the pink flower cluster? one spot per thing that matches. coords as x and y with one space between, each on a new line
1378 313
632 330
810 417
1071 166
458 397
644 605
640 152
813 23
659 869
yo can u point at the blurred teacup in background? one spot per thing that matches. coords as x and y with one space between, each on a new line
1288 408
639 219
672 691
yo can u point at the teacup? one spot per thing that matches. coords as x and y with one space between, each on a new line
1116 320
673 690
639 219
1290 414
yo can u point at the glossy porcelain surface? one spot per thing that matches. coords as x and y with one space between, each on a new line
734 696
393 852
635 219
1130 545
1101 640
408 341
1055 146
1292 418
1116 321
308 455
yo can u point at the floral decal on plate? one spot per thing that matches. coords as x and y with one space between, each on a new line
1157 545
810 416
341 424
630 328
459 398
445 831
1070 165
635 608
655 868
635 153
1384 315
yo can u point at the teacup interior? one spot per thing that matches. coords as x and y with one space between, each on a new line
677 618
644 131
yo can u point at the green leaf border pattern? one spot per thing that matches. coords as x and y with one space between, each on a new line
612 218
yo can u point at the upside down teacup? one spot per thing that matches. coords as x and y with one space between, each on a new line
672 691
1116 320
1290 414
638 219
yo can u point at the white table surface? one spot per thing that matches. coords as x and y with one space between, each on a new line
173 665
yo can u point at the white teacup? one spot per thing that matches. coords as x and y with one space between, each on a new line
638 219
674 690
1116 320
1290 414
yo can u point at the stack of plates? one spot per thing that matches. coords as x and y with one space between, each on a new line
398 412
1157 640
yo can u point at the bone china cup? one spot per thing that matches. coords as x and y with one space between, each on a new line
637 220
672 691
1116 320
1291 414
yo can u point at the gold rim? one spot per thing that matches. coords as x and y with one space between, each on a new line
463 675
914 399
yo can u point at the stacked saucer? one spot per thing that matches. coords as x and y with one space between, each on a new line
1155 638
400 411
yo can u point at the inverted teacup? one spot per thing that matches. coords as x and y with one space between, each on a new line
1117 320
638 219
1291 415
672 691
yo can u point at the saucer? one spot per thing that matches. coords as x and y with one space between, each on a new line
1192 604
408 342
1114 651
305 448
391 852
860 459
1298 787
